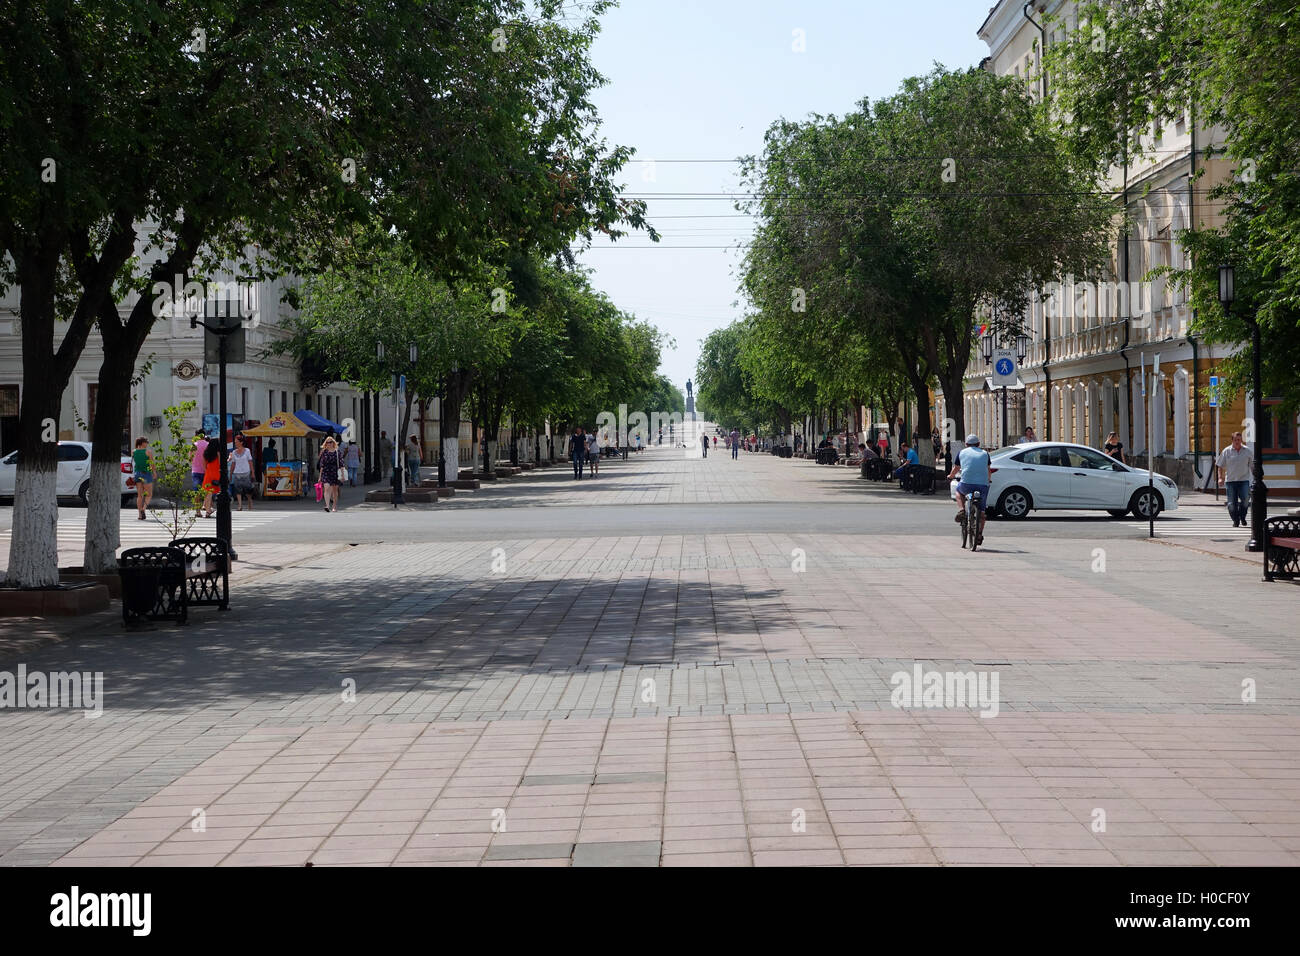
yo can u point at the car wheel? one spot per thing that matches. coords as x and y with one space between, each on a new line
1015 503
83 494
1116 512
1146 503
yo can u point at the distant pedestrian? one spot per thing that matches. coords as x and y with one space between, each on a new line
882 442
353 458
578 451
1233 466
211 475
1029 436
385 455
270 454
593 453
142 468
704 442
1114 447
735 444
241 473
413 458
196 460
329 463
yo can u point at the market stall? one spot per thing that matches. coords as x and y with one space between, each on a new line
284 479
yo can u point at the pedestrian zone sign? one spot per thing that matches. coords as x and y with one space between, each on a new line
1004 367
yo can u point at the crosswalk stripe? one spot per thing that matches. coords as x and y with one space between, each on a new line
136 533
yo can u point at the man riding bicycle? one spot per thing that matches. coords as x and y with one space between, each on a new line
974 469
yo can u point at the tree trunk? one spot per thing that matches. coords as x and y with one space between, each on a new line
457 386
104 508
33 546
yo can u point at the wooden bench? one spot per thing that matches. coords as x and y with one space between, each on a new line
207 571
1282 548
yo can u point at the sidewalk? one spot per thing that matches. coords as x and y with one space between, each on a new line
642 698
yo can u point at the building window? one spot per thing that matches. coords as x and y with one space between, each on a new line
212 400
270 402
1278 432
284 401
243 402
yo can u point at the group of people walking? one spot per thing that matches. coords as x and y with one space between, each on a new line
584 452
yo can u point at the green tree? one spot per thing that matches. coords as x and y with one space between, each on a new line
201 133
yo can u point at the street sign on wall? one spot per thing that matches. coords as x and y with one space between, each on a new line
1214 391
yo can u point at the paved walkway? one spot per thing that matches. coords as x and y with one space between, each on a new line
640 698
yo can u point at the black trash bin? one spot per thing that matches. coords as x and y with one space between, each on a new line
153 584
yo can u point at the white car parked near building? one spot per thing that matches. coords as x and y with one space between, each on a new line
1045 476
74 473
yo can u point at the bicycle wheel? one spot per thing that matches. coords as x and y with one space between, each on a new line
965 523
973 519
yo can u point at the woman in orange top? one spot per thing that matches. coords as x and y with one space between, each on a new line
211 476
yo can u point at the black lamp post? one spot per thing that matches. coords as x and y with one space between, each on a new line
222 328
1259 491
399 469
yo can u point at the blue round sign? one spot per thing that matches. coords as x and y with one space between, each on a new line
1004 366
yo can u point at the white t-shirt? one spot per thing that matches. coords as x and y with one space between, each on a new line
241 464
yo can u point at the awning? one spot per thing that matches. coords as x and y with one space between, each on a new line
319 423
284 425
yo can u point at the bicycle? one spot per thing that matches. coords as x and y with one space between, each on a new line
970 521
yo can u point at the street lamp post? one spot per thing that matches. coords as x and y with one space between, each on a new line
399 470
1022 349
222 330
1259 491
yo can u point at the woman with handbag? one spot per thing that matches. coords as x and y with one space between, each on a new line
331 466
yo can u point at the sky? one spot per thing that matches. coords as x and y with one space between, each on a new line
693 84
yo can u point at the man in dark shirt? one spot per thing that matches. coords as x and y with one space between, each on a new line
578 451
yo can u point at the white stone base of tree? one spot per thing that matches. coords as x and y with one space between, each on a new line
451 453
33 547
492 456
103 518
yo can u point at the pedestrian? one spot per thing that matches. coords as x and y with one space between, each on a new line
413 460
211 475
593 453
143 468
1233 466
577 451
937 442
1113 447
1029 436
240 463
735 444
909 456
385 455
882 442
704 441
329 463
353 459
196 461
270 454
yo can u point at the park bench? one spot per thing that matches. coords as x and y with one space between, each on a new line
876 469
1282 548
207 571
918 479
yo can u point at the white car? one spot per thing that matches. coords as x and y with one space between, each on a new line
74 473
1045 476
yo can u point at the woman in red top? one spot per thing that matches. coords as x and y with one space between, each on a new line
211 476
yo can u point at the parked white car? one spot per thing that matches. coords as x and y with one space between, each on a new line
74 473
1045 476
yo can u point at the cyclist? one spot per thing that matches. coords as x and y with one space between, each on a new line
974 470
